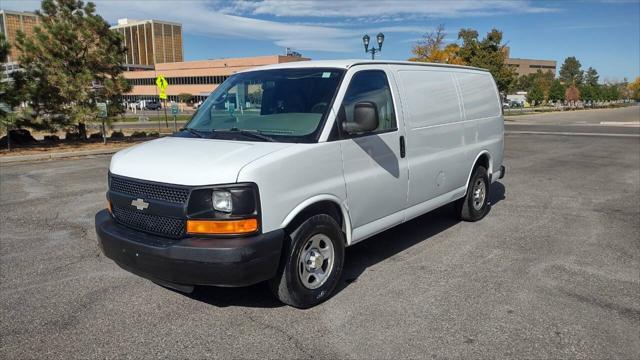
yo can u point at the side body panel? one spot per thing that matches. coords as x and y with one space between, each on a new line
292 176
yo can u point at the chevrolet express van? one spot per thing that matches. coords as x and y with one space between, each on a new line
284 166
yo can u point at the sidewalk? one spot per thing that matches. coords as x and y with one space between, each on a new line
59 155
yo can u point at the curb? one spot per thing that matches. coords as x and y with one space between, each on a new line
58 155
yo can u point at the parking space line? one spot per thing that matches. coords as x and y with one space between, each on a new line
565 133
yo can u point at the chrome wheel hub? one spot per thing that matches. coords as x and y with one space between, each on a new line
315 262
479 194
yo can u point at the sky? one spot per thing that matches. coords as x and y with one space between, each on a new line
604 34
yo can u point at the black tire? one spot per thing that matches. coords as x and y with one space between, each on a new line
287 285
464 207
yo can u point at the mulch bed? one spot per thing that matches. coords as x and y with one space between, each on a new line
42 146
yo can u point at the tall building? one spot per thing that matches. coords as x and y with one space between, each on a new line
10 23
150 42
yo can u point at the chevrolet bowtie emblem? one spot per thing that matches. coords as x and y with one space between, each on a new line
140 204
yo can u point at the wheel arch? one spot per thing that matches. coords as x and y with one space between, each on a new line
318 204
483 158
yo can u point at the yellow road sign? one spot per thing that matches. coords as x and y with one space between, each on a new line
162 84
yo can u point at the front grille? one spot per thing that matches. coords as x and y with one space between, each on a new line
155 224
145 190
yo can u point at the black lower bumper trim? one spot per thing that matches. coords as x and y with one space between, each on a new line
192 261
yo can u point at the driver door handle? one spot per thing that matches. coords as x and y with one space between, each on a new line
403 151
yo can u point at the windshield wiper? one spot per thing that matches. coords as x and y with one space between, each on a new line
256 134
194 132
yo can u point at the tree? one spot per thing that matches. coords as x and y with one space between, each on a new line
624 90
572 93
71 62
540 79
488 53
591 77
185 97
571 71
556 91
634 87
610 92
12 92
590 92
535 94
432 49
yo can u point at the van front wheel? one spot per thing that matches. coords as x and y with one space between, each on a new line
312 263
475 205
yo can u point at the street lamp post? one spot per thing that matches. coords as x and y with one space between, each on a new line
373 50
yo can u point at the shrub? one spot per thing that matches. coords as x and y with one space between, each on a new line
73 136
117 135
18 137
138 134
51 138
95 136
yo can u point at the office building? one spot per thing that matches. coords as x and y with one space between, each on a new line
197 78
10 23
150 42
530 66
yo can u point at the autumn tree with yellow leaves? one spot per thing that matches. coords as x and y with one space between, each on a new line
431 48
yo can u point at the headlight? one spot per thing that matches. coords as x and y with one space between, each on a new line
224 210
222 201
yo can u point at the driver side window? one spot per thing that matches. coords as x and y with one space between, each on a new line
371 86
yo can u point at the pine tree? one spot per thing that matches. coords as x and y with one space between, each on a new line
12 90
71 62
571 72
591 77
488 53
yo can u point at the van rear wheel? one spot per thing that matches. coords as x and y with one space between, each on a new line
311 263
475 205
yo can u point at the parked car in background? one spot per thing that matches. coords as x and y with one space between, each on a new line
284 166
153 105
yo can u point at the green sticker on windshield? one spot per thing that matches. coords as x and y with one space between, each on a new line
326 75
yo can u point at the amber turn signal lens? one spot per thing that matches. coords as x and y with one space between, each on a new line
109 207
222 227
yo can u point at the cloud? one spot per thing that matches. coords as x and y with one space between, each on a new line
255 19
207 19
384 8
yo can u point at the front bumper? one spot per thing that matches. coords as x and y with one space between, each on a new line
191 261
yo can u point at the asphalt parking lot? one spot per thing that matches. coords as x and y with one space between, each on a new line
552 272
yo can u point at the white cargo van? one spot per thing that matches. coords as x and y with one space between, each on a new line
284 166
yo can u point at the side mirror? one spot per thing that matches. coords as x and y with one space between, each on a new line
365 118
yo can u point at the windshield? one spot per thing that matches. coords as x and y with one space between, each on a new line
286 105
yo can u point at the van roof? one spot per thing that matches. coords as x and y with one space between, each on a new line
348 63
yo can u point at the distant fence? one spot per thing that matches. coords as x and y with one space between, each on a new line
577 105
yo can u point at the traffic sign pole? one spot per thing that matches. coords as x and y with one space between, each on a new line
102 114
162 85
166 122
174 112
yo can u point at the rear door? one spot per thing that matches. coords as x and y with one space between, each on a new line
375 171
